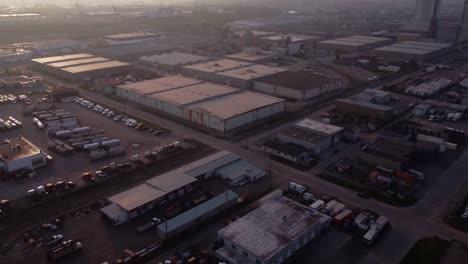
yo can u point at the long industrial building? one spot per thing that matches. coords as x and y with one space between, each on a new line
207 71
297 85
234 73
354 43
271 233
414 50
245 76
167 187
79 66
217 108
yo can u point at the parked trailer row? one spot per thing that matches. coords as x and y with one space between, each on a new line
105 154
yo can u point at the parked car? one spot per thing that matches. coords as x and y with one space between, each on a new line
56 239
87 177
101 174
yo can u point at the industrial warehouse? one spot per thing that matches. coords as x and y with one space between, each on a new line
354 43
164 188
217 108
244 77
414 50
20 154
371 103
79 66
297 85
271 233
292 43
129 38
172 61
207 71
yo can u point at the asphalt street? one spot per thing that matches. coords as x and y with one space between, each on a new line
408 224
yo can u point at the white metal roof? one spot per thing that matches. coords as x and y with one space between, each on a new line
160 84
415 47
252 72
273 226
171 181
236 104
174 58
95 66
137 196
194 93
217 66
62 58
319 127
355 40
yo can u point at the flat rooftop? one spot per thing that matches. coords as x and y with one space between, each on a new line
355 41
247 56
235 105
272 227
160 84
302 134
174 58
157 187
252 72
69 63
137 196
17 148
319 127
171 181
132 35
298 80
95 66
194 93
415 47
217 66
294 38
62 58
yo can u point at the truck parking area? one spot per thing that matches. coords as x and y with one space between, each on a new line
71 167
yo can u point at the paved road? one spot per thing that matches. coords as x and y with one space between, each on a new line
408 224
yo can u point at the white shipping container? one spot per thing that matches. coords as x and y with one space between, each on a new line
317 205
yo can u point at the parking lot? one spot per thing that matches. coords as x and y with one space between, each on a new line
104 242
71 167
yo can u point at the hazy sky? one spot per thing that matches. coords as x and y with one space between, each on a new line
107 2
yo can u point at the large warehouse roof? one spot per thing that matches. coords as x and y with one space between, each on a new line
95 66
63 58
132 35
137 196
249 56
194 93
252 72
354 40
414 47
319 127
217 66
160 84
171 181
294 38
174 58
235 105
159 186
272 227
69 63
298 80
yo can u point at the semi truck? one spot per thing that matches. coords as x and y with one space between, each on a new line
375 229
63 250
